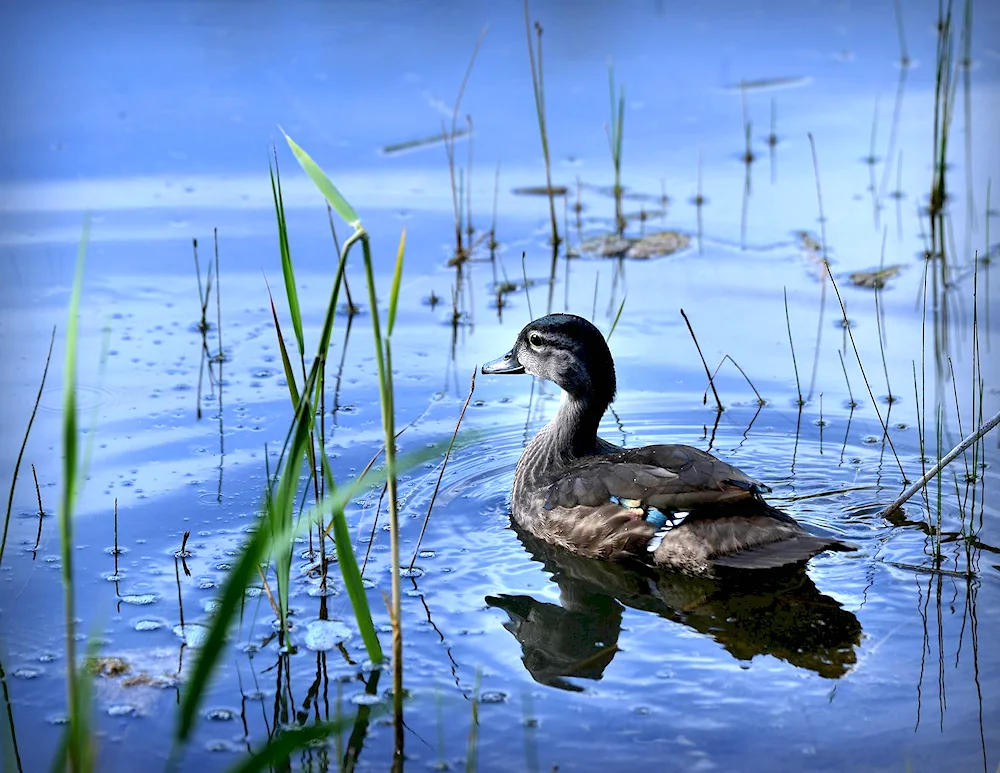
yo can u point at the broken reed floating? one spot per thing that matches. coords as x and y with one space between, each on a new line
947 459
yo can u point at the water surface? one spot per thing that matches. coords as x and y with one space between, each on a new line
157 120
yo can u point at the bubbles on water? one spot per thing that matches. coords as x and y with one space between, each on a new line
122 710
192 634
320 589
493 696
411 571
365 699
148 625
28 673
323 635
220 715
140 599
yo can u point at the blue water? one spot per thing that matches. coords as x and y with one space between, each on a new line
158 119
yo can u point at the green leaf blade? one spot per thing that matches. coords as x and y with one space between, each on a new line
325 185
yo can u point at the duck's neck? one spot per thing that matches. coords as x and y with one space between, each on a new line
570 435
573 431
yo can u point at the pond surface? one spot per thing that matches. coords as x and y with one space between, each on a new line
157 119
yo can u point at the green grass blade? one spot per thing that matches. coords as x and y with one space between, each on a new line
282 505
293 390
348 564
78 739
396 279
286 255
241 575
270 536
331 309
618 316
620 130
69 424
275 755
326 187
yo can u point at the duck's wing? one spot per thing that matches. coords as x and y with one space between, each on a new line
695 468
750 535
607 531
667 477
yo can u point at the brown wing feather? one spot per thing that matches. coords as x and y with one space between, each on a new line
607 531
664 476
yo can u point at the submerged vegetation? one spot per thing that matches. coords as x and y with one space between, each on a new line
305 508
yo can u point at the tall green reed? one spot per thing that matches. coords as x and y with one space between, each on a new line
383 357
278 527
76 751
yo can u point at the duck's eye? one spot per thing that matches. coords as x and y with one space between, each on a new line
535 340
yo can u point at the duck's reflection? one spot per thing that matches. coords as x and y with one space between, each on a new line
775 612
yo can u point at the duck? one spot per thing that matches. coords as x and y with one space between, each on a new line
674 505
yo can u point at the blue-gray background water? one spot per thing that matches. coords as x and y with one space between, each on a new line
158 119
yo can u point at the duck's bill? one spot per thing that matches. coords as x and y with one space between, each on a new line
506 364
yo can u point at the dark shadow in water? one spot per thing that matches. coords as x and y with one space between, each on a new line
778 612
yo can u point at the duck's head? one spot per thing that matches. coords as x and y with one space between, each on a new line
567 350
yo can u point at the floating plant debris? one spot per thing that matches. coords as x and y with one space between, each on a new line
107 665
541 190
760 84
654 245
875 280
422 142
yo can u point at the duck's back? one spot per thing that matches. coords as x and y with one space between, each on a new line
666 477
